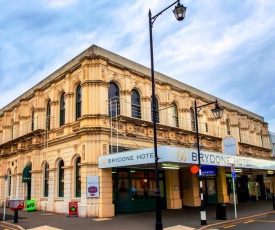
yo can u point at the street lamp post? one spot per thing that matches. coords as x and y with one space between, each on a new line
217 112
179 13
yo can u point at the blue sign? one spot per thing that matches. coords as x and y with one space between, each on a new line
209 170
234 175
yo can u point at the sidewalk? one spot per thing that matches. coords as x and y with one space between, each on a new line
183 219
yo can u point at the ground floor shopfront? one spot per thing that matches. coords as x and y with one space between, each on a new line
125 182
133 179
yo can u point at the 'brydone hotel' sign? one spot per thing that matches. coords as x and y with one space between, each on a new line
177 155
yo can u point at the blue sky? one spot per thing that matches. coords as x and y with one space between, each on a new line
223 47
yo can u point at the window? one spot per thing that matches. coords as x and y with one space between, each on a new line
32 122
206 127
9 182
135 100
228 126
239 130
62 109
175 116
78 101
157 110
262 138
46 179
113 97
77 178
12 130
61 179
48 116
192 118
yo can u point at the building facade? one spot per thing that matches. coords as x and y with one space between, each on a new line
55 138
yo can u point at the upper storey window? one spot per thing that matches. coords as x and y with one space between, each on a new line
32 121
48 116
228 126
113 100
136 105
175 115
62 109
157 110
78 101
192 118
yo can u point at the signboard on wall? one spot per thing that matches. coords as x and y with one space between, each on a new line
92 186
230 145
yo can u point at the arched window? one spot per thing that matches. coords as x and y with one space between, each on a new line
175 116
9 182
77 178
192 118
78 101
12 129
48 116
262 138
46 179
136 106
61 179
113 97
227 126
157 110
62 109
239 130
32 121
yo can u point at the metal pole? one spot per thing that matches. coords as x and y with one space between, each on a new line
158 223
4 213
203 211
234 195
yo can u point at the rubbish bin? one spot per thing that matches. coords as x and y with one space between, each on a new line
16 205
221 211
273 201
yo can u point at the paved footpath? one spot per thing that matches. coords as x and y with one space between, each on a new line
184 219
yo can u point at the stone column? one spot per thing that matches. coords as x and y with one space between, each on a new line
172 190
221 186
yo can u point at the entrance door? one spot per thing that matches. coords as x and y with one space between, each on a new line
210 190
29 190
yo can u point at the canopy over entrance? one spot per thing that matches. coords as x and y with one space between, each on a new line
26 177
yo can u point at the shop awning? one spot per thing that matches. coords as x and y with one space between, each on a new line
26 177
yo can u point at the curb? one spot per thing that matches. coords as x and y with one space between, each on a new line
12 225
235 220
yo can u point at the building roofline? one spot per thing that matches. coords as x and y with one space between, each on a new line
126 63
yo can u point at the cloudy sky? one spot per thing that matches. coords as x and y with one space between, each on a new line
223 47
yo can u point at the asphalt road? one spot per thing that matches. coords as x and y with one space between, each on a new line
265 222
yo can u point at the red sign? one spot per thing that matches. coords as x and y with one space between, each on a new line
73 208
194 169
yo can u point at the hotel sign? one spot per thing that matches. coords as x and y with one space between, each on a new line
168 154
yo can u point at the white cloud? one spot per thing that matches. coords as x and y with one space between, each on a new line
60 3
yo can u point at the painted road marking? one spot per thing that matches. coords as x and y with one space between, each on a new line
179 227
249 221
102 219
45 227
230 226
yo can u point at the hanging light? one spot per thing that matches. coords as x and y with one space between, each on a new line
179 12
217 111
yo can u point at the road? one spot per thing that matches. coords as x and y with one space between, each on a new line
265 222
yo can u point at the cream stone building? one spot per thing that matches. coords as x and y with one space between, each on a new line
60 136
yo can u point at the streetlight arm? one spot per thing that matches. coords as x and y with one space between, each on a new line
210 103
152 19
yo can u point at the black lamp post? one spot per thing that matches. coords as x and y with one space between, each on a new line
179 12
217 112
